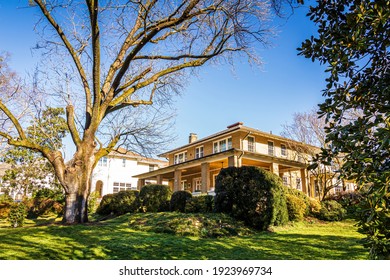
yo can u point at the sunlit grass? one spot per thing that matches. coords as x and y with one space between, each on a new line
115 239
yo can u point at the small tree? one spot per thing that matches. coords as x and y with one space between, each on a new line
353 41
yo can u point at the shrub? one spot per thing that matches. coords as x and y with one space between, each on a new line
45 201
179 200
349 201
252 195
4 209
126 202
200 204
17 214
119 203
301 195
106 205
314 207
155 198
296 207
331 210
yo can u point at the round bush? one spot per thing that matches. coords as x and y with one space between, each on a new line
296 207
331 210
119 203
200 204
302 196
179 200
155 198
106 205
252 195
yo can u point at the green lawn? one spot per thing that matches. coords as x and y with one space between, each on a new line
115 239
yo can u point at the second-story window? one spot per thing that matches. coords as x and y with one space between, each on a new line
270 148
199 152
179 158
103 161
123 162
151 167
251 144
222 145
283 149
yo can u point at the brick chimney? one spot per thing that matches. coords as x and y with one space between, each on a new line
192 138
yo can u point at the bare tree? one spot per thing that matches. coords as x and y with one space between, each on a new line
309 129
119 57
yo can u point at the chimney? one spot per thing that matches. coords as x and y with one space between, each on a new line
192 138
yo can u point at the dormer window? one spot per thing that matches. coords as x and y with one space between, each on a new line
222 145
179 158
199 152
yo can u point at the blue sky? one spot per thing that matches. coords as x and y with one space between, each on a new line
262 98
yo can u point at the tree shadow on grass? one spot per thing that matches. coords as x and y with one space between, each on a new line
112 241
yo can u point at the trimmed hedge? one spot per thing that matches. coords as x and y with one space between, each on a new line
252 195
155 198
179 200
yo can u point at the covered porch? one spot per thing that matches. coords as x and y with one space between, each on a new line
198 175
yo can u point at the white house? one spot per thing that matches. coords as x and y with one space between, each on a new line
114 172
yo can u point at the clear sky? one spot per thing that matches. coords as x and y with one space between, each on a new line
260 98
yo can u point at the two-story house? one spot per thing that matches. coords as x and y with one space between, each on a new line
195 165
115 172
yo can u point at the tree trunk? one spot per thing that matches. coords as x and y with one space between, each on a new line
77 183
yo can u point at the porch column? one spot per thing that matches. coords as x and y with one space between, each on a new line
205 173
177 181
140 183
275 168
159 179
234 161
304 180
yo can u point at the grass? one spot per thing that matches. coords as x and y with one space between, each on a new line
134 236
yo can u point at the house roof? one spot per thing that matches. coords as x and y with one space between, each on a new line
231 128
123 153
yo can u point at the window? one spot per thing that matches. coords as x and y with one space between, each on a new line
199 152
123 162
179 158
222 145
283 150
121 186
103 161
299 185
270 148
285 180
151 167
251 144
198 184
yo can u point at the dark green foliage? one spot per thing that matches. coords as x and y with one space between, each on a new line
45 201
106 205
353 41
119 203
331 210
296 207
349 201
252 195
179 200
200 204
155 198
17 214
